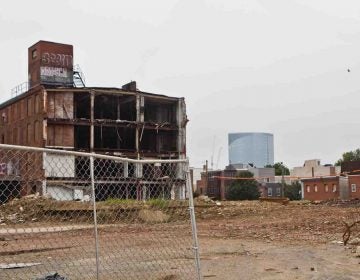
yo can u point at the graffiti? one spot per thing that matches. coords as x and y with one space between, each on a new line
56 75
53 71
55 59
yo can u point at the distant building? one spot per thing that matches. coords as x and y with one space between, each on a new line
287 179
255 148
313 168
215 182
352 167
262 174
331 187
271 189
195 175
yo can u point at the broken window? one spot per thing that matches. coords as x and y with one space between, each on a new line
105 107
127 107
112 107
82 137
152 140
160 111
82 105
114 138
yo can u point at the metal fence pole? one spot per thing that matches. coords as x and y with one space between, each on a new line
193 221
95 215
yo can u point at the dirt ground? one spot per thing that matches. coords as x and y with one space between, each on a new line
253 240
238 240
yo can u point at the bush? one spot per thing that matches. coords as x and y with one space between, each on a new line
293 191
243 189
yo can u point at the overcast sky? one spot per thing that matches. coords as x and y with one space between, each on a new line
277 66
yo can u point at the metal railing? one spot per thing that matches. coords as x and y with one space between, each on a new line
77 215
19 89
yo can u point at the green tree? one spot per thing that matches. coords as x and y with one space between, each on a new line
349 156
293 191
280 169
243 189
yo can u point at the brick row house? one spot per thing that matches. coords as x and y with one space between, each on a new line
331 187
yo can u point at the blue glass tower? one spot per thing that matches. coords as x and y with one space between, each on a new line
251 147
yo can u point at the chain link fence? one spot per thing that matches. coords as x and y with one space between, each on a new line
69 215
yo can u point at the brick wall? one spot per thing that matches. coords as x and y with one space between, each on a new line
354 186
321 188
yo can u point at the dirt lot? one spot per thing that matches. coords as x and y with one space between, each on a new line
253 240
238 240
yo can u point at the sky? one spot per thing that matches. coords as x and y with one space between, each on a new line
278 66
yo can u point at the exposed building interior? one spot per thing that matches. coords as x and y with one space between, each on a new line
58 111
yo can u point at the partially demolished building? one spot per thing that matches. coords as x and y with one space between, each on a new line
58 111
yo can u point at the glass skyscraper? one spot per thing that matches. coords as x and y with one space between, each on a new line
251 148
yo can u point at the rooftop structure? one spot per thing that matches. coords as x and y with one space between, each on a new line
313 168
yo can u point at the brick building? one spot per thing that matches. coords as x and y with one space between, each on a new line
215 182
57 112
331 187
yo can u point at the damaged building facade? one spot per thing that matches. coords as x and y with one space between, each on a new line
59 112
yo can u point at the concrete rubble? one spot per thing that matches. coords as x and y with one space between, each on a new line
52 276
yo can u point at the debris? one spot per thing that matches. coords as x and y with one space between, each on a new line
270 269
17 265
355 241
357 253
218 203
31 196
347 233
204 198
151 216
3 238
52 276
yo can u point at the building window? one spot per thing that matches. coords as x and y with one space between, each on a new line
37 104
269 191
3 117
334 188
315 188
37 131
326 188
34 54
278 191
308 188
353 187
29 107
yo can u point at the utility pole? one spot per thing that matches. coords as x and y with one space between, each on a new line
282 181
206 177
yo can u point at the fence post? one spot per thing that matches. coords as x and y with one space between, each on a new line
95 215
193 221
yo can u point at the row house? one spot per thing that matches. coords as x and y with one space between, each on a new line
331 187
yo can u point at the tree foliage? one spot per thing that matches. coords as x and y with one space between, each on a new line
243 189
293 191
349 156
280 169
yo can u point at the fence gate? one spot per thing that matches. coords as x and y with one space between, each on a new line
69 215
